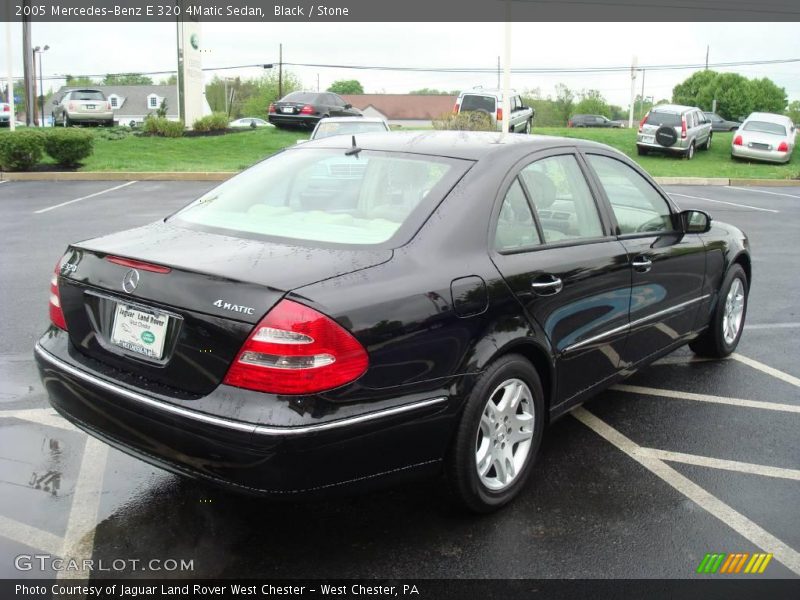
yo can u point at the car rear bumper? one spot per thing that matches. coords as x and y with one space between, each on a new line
91 117
756 154
359 451
294 120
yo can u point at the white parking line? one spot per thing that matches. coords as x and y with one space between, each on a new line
791 379
769 210
772 326
733 187
648 391
30 536
82 524
713 505
3 181
116 187
43 416
716 463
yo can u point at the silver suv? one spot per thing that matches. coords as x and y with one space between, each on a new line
674 128
490 102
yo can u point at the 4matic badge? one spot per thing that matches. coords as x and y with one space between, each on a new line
234 307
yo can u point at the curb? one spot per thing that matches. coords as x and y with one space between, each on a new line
223 175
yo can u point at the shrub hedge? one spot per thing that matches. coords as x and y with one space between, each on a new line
465 121
217 121
68 147
21 150
162 127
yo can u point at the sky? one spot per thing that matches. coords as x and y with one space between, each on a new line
77 48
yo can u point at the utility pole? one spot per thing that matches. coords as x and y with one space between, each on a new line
280 71
707 50
507 70
9 76
317 81
634 63
27 66
498 72
642 96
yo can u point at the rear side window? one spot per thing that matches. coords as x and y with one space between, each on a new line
515 225
637 206
323 195
663 118
563 201
473 102
765 127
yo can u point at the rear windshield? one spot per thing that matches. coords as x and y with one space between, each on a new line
327 128
664 118
323 195
87 95
300 97
765 127
472 102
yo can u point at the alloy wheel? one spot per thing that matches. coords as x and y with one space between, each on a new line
733 312
505 433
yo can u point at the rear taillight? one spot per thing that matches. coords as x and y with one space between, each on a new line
783 147
499 114
307 110
56 314
456 107
271 107
6 108
297 350
737 141
642 122
683 128
108 105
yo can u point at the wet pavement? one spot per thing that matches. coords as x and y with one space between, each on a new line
593 508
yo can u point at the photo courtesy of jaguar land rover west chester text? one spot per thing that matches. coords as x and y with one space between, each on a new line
365 309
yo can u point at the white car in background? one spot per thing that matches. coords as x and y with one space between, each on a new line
347 126
765 136
249 122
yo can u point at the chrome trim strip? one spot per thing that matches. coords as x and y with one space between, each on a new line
632 324
229 423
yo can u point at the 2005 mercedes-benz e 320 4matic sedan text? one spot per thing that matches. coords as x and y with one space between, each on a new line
354 311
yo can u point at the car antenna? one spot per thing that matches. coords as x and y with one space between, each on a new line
354 150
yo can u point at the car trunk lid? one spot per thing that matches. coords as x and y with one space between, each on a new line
180 319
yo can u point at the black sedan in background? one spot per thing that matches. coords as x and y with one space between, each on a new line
352 312
593 121
305 109
720 124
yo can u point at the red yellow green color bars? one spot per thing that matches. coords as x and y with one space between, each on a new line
734 563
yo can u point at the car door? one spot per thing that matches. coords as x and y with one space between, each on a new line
667 265
554 248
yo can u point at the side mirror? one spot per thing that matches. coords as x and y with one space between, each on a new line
348 106
695 221
56 100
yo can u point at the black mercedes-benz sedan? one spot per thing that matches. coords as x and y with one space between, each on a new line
360 310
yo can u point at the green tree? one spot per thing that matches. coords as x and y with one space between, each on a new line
346 86
79 81
766 96
433 92
171 80
697 90
127 79
735 95
255 96
793 112
564 103
592 103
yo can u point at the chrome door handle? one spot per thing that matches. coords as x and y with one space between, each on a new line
548 288
642 264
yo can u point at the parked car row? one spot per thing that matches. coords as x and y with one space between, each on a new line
676 129
593 121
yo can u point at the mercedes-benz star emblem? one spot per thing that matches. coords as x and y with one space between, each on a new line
130 281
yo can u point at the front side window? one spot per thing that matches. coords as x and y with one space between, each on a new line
562 198
324 195
637 206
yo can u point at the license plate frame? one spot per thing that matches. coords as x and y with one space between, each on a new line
90 106
648 139
287 110
140 330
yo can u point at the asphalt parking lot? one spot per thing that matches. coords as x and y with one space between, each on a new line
686 458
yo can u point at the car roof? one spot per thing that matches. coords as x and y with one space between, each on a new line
768 117
353 119
486 91
673 108
469 145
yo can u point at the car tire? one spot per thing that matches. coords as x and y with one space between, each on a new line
642 151
727 323
707 145
481 442
689 154
527 129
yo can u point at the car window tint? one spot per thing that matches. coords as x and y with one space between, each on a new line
637 206
515 225
325 195
562 199
764 127
87 95
663 118
473 102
